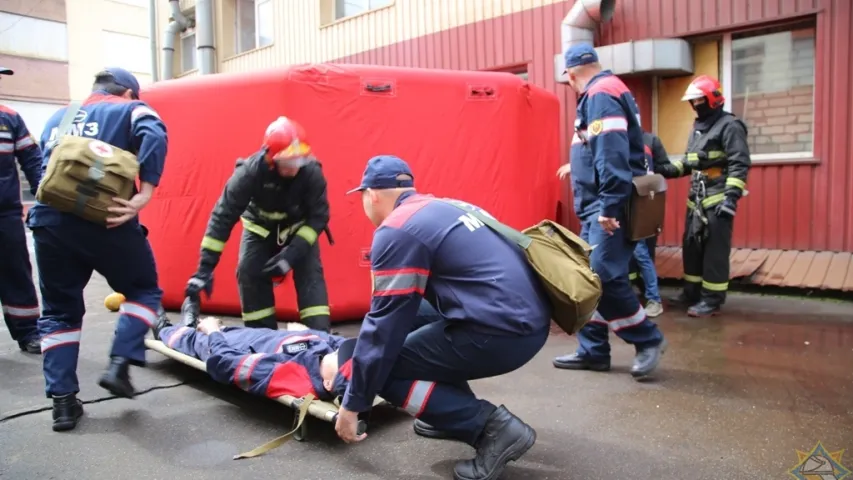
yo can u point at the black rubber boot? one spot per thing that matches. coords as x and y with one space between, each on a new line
647 360
190 311
703 309
505 438
426 430
31 346
580 362
117 378
162 322
67 411
682 300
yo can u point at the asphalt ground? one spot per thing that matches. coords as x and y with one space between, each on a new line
735 397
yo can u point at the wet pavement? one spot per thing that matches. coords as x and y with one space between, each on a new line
735 398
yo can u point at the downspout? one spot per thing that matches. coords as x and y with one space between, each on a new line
178 24
152 35
204 37
578 26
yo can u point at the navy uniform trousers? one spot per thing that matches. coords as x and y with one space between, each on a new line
619 308
17 291
430 377
66 255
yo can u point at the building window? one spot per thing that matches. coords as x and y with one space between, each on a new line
348 8
769 78
127 51
33 37
254 24
188 52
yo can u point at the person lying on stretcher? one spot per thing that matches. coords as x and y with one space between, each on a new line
296 361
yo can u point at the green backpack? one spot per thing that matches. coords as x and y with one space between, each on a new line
560 259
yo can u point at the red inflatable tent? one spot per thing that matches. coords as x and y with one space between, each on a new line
487 138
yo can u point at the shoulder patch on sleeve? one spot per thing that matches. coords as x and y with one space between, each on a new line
595 127
140 111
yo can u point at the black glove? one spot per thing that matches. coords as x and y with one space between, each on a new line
727 208
202 281
277 266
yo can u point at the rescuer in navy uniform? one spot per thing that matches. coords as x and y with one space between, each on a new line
17 291
492 317
718 157
68 248
279 194
606 153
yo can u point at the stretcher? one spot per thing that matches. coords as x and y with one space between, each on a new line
304 406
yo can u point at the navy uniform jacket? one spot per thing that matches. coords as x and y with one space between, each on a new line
607 148
260 361
16 143
429 249
127 124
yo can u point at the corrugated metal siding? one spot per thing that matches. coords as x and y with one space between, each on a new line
300 37
791 207
530 37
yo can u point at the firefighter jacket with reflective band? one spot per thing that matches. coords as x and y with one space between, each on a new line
607 148
17 146
294 210
127 124
430 249
268 362
718 157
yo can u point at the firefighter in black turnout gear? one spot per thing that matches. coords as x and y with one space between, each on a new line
718 159
279 194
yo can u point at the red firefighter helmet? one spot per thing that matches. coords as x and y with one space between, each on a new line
285 140
707 87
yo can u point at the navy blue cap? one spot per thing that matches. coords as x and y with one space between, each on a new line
6 71
124 78
382 172
580 54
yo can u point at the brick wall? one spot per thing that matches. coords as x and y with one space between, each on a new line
773 87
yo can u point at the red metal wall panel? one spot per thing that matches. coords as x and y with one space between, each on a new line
803 207
790 207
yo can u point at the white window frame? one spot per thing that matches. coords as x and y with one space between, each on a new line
368 8
726 81
256 5
191 33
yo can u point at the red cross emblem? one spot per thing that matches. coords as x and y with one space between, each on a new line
101 148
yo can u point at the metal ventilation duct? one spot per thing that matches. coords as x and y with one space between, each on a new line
660 56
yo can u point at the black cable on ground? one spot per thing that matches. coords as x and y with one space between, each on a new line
33 411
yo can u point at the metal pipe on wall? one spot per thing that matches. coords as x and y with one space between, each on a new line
152 35
178 24
578 26
204 36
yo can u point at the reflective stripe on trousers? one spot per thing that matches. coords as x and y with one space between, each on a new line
62 337
418 397
21 312
139 312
